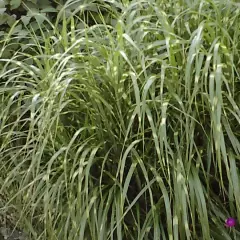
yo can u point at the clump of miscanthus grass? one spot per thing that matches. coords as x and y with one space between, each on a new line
121 121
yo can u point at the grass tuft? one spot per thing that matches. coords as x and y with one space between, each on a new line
121 121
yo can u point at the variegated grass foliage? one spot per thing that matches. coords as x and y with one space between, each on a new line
121 121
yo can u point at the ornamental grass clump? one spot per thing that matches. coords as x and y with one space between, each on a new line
120 120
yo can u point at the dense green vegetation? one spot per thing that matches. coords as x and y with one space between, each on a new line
120 119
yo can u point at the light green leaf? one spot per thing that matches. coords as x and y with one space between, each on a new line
15 4
48 10
40 17
25 20
17 29
3 18
44 4
30 5
11 20
2 4
2 10
32 12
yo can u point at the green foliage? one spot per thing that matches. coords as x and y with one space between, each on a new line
31 14
120 119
